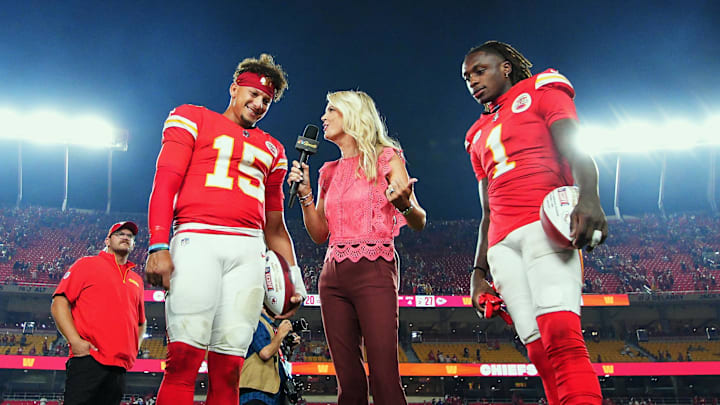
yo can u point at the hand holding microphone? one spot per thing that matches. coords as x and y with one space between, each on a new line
307 144
300 174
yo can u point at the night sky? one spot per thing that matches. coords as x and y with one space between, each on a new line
134 61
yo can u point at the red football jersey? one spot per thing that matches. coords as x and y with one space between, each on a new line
106 303
226 175
513 147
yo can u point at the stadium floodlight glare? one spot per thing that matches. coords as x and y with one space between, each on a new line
710 134
714 122
592 139
630 137
641 136
52 127
683 134
636 136
677 134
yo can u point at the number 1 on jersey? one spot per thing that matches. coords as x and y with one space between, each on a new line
494 143
219 177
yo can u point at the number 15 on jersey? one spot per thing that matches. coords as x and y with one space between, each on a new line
250 179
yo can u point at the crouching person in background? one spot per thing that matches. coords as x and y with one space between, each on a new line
265 372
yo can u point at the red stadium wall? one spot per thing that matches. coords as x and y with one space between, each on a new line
414 369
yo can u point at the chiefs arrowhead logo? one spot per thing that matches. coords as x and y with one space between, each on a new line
521 103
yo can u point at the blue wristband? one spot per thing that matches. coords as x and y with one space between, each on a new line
156 247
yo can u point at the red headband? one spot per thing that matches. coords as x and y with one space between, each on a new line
260 82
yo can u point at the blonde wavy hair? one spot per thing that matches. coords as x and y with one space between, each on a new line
362 121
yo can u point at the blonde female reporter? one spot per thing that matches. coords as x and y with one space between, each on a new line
363 199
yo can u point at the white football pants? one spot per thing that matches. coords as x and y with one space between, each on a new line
216 290
535 278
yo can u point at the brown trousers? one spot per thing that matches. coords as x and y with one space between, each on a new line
360 301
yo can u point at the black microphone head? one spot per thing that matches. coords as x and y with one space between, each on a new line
307 143
311 131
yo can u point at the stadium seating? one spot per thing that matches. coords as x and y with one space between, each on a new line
505 352
655 254
613 351
314 351
698 350
155 347
642 254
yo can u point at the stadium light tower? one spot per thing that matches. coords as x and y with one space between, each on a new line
635 136
51 127
712 129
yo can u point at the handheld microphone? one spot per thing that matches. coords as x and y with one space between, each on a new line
307 144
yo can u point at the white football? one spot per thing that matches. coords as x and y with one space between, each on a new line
279 287
555 214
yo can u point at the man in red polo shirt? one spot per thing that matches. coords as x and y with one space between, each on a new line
98 307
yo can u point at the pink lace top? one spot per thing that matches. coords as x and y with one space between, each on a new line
361 220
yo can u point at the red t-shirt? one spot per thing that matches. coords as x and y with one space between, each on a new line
106 302
212 171
513 148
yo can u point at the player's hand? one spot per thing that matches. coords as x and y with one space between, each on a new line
588 217
300 173
158 268
284 328
399 190
296 300
81 347
478 287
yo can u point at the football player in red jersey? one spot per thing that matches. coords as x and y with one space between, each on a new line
521 148
219 184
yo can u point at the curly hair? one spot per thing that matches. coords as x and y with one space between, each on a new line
362 121
265 65
520 64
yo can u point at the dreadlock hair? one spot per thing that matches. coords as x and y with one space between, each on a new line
520 64
265 65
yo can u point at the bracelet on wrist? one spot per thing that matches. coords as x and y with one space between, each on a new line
485 272
156 247
407 210
305 197
306 203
